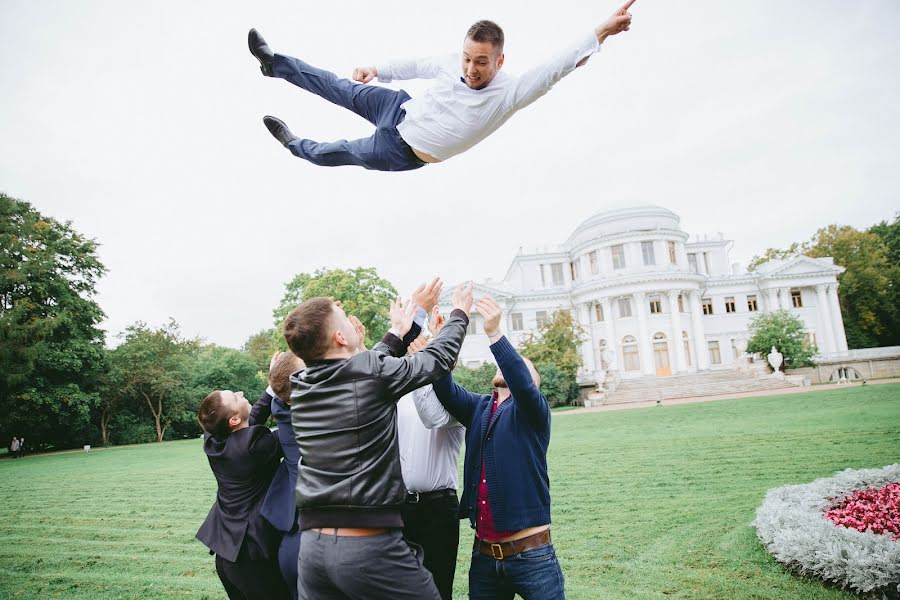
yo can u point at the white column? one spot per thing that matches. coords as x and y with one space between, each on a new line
648 366
771 300
785 296
840 337
701 352
675 340
612 343
587 347
826 337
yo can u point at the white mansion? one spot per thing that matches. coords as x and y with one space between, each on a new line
652 302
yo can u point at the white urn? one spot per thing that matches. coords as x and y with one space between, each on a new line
775 359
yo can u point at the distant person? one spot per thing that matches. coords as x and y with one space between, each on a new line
430 440
243 458
471 98
21 447
350 488
506 489
14 448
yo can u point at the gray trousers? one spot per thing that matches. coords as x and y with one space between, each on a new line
378 567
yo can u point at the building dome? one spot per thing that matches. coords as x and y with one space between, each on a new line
646 217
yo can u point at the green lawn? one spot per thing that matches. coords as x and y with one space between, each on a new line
647 503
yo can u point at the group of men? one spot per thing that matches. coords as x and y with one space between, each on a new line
364 504
355 495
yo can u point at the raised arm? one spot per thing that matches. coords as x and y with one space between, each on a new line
525 393
537 81
400 376
431 412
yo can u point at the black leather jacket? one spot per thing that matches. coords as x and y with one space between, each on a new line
344 415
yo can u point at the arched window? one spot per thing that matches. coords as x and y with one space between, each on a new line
630 355
659 337
687 348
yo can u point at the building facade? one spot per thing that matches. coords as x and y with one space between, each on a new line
651 301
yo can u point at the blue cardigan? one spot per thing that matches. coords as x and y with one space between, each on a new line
514 445
279 507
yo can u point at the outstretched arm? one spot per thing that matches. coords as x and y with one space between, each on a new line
419 68
538 81
525 393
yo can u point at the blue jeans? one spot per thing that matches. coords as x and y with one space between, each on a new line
533 575
384 150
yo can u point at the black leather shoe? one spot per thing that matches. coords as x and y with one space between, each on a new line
260 49
278 129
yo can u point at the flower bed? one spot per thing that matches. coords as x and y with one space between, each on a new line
875 510
792 524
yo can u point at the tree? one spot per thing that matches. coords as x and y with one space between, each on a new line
152 368
781 330
868 287
51 347
776 254
261 346
558 387
219 368
478 380
556 348
362 291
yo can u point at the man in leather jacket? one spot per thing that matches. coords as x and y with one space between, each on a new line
350 490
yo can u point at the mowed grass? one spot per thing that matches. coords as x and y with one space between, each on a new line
647 503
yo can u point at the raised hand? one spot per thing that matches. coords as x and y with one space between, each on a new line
360 330
402 314
436 323
491 311
417 344
619 21
462 297
427 296
364 74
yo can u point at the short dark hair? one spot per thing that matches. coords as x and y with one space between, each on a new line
487 31
213 417
306 330
286 364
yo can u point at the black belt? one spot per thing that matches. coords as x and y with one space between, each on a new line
419 497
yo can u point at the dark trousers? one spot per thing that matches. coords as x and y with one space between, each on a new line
251 579
384 150
434 525
377 567
288 553
533 575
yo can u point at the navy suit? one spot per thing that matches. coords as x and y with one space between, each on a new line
279 506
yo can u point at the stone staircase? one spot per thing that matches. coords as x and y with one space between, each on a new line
710 383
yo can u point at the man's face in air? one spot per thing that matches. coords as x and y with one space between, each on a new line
481 62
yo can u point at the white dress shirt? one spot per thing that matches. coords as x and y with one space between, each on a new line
430 440
451 117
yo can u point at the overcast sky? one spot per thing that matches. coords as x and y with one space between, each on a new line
142 123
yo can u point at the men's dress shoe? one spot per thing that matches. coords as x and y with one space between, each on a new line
278 129
260 49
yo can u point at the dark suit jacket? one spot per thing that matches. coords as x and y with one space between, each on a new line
243 463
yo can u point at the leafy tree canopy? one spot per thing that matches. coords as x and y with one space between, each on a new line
554 351
784 331
51 347
362 291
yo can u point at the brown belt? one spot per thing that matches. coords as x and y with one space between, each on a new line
349 531
504 549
